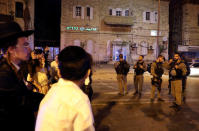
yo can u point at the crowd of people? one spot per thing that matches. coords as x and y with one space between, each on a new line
178 71
42 96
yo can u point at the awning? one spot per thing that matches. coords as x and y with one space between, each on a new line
182 48
118 20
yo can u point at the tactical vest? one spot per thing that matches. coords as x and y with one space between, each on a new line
159 71
178 75
122 68
138 70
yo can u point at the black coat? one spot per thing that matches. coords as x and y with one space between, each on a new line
17 103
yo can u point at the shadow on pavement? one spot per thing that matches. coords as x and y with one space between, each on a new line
184 120
155 111
101 114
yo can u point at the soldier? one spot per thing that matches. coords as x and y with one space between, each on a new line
184 80
177 70
140 67
122 69
157 72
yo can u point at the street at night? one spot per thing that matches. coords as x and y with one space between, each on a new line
128 113
99 65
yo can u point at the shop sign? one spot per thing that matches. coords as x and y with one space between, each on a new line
76 28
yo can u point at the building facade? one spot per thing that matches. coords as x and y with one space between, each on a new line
190 31
20 11
107 28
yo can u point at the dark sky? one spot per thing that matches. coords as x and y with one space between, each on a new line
47 22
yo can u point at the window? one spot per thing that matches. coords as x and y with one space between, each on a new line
78 11
110 12
118 13
156 16
88 11
153 32
19 10
147 15
126 12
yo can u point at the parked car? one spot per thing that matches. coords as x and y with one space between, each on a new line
194 69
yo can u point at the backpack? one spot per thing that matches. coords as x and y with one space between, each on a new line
126 68
138 70
188 68
149 68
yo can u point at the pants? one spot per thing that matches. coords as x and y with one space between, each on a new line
138 82
122 83
184 82
176 90
153 88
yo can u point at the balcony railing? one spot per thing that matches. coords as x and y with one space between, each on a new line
118 20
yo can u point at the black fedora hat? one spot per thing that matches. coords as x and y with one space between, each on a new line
11 31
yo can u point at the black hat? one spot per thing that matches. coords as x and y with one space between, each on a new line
11 31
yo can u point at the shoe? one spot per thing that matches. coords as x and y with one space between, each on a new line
174 105
177 108
135 93
120 94
152 100
126 93
160 99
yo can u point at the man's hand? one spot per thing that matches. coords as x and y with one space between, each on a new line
116 64
176 66
170 61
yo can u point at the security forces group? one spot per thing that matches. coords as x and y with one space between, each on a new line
178 72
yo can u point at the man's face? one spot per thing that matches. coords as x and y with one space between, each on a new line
56 59
161 59
33 55
22 49
176 57
140 58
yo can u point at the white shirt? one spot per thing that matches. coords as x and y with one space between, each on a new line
54 64
65 108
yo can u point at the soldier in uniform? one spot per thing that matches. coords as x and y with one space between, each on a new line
157 72
177 70
139 69
122 69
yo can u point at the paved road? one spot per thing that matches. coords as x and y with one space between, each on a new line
129 113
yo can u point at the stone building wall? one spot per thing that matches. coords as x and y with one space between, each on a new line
107 38
8 8
190 28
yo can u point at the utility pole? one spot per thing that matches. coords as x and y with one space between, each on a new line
158 30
